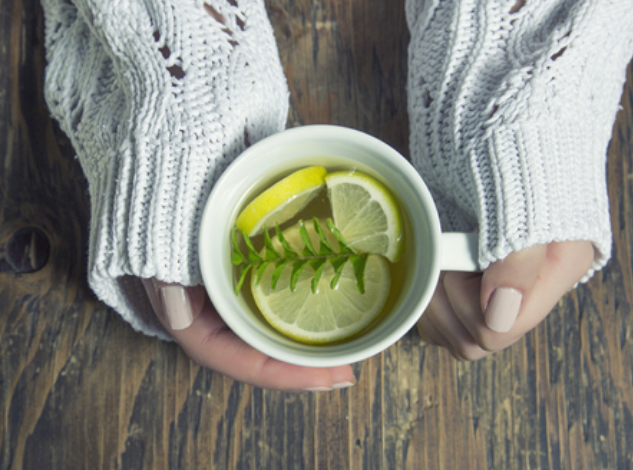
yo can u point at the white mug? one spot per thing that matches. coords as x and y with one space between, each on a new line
332 147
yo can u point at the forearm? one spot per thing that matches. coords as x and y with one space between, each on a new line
511 114
157 97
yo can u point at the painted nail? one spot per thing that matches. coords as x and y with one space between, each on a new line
503 309
343 384
177 306
318 389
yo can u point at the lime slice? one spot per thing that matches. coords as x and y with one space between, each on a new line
282 201
366 213
328 314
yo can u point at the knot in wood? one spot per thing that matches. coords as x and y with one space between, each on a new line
26 252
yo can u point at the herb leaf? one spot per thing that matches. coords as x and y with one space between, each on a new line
252 252
318 264
243 272
271 253
297 267
279 267
324 247
309 249
359 262
343 246
260 271
237 257
338 264
288 252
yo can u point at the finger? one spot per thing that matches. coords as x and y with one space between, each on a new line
443 318
462 290
429 334
213 345
505 285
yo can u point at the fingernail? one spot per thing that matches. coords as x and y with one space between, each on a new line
177 306
343 384
318 389
503 309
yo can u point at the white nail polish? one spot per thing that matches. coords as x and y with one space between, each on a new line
343 385
503 309
177 306
318 389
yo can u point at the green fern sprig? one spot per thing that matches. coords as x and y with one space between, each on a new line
316 259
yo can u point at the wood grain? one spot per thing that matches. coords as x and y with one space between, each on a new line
80 390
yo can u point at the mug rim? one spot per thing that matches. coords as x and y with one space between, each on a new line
210 254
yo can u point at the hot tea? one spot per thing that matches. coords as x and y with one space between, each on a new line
330 263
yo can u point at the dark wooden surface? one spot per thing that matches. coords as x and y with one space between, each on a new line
80 390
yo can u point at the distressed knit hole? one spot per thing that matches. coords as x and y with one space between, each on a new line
232 42
240 23
562 49
495 108
77 118
233 3
517 6
247 141
165 52
428 101
176 71
215 14
558 54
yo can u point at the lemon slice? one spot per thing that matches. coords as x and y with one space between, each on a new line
328 314
281 201
366 213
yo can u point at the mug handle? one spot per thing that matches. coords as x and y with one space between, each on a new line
460 252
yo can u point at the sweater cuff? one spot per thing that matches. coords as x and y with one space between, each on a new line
546 182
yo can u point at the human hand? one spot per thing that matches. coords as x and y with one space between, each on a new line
190 318
476 314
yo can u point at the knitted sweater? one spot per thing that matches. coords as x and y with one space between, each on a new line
511 105
510 113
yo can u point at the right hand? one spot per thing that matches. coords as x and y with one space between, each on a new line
476 314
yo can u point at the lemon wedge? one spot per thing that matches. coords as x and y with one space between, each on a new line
281 201
327 314
366 213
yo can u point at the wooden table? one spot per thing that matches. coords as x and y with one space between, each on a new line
80 390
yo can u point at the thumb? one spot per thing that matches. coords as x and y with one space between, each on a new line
505 285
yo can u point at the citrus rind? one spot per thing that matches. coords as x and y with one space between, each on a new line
281 201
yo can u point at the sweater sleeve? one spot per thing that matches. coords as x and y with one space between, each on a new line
511 107
157 98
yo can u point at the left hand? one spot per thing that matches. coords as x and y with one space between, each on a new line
191 319
474 315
